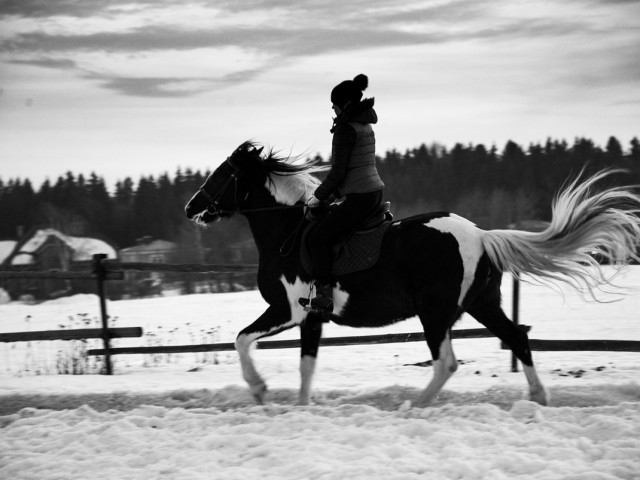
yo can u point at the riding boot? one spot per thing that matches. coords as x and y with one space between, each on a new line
323 301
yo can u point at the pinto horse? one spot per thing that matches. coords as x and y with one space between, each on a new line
435 266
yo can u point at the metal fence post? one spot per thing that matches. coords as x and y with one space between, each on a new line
101 274
515 315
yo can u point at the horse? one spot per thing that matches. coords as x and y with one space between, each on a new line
435 266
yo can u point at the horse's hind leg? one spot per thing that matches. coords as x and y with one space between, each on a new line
444 365
437 325
489 313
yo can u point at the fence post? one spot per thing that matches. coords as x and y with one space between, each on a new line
101 273
515 315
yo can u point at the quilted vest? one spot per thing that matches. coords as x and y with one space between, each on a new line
362 174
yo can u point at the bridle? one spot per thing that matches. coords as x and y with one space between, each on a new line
214 200
214 209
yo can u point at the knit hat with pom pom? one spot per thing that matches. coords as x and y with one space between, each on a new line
349 91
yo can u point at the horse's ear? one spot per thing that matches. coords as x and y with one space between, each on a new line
259 150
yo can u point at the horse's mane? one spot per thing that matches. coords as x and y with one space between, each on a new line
289 178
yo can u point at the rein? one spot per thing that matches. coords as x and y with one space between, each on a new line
266 209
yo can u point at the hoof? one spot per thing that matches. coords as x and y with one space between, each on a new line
541 397
259 392
419 403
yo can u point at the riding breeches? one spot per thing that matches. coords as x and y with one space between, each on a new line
341 221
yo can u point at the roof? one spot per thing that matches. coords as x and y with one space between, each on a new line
6 247
83 247
154 246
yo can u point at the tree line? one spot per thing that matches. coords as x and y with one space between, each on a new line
493 188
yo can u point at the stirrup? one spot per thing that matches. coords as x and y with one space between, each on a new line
317 303
304 302
322 304
323 301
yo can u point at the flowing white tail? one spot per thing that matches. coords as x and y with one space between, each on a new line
584 225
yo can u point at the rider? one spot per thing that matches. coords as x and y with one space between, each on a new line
353 175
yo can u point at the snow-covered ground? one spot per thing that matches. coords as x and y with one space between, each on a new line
184 419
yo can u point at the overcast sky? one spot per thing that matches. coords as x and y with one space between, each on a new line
127 88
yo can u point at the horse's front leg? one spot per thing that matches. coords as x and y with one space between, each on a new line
310 335
273 320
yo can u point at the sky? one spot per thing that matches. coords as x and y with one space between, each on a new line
125 89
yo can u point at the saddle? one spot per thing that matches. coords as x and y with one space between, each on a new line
359 250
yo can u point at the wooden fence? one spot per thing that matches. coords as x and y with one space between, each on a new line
275 344
71 334
100 269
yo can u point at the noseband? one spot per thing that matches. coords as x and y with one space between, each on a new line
214 201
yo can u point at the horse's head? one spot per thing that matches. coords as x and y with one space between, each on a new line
225 190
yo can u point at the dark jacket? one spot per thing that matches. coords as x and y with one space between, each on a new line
353 168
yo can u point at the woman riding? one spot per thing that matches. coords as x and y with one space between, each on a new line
353 176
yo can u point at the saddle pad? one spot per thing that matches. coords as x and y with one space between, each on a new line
359 251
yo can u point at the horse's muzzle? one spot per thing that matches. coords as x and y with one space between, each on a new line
190 212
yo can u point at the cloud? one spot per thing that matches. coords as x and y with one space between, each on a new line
170 87
608 3
275 31
150 86
56 63
283 41
282 27
71 8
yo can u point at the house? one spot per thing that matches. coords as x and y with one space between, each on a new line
149 251
48 249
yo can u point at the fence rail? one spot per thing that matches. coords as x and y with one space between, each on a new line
585 345
70 334
100 269
537 345
57 274
276 344
112 265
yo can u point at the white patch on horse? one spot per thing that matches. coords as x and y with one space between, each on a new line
537 392
307 369
340 300
295 291
300 289
469 238
290 189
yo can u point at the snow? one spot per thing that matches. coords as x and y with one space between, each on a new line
181 418
85 247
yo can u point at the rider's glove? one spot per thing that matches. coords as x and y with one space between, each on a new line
313 202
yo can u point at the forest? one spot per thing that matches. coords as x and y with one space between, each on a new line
491 187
